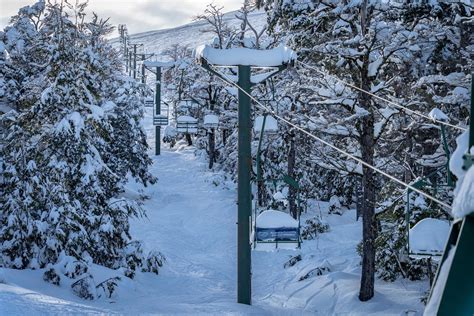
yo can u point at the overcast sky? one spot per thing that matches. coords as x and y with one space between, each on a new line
139 15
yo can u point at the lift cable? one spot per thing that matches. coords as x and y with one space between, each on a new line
381 98
227 80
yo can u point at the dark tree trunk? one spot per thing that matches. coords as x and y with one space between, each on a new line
188 139
224 136
367 146
261 190
369 227
212 147
360 198
291 172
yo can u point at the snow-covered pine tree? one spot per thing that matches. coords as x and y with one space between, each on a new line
365 44
67 156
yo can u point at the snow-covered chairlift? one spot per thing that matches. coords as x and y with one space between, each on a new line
428 238
211 121
149 102
161 119
186 124
270 127
273 226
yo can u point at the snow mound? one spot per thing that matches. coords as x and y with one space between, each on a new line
245 56
275 219
429 236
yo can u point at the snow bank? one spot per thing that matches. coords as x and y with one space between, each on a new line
275 219
464 192
429 236
245 56
271 124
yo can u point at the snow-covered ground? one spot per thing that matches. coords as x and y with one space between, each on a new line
193 223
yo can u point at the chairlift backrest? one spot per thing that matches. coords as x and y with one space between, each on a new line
428 237
149 102
186 124
276 226
271 125
211 121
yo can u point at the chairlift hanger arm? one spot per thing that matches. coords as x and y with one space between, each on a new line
212 69
150 69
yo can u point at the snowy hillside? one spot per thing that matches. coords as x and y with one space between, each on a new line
189 34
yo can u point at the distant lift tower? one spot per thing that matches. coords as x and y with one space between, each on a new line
158 119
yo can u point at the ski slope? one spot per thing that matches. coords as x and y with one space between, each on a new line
190 34
193 223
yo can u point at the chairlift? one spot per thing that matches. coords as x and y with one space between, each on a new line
186 124
428 238
430 181
269 124
211 121
161 119
274 226
149 102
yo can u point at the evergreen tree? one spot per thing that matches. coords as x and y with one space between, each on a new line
68 150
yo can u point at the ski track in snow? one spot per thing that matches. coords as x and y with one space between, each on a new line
193 223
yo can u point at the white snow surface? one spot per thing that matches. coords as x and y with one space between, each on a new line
271 124
438 115
193 223
211 119
149 63
186 119
429 236
245 56
276 219
464 199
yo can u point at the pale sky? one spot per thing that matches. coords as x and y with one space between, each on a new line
139 15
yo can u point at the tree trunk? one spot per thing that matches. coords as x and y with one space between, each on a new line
369 229
367 205
291 172
212 148
224 136
188 139
367 146
360 198
261 190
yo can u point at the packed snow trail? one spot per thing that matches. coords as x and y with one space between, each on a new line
193 224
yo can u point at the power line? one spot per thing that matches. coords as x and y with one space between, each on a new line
381 98
269 110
